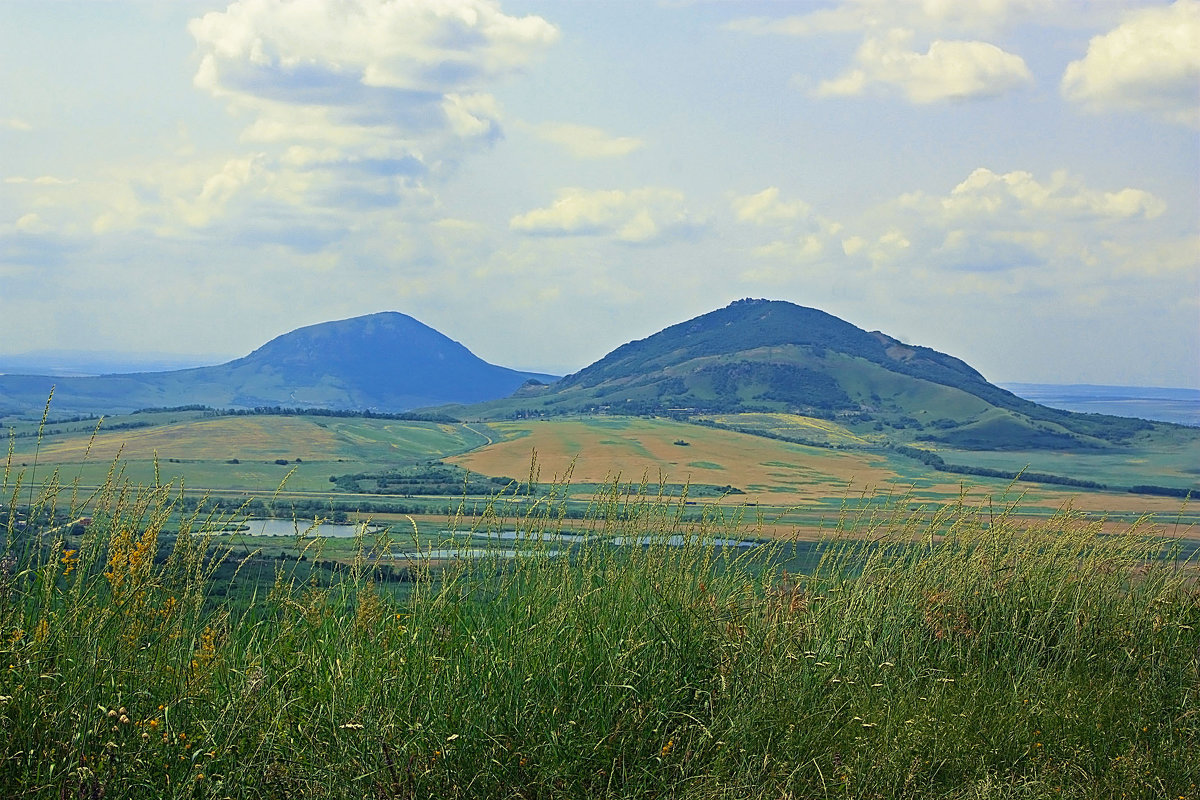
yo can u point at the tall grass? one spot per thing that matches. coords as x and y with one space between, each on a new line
957 654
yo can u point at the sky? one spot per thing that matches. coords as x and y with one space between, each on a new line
1013 182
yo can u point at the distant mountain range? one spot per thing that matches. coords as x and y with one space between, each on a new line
382 362
751 356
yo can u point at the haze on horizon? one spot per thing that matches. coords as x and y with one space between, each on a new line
1015 183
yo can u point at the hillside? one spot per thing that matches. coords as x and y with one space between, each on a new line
382 362
763 356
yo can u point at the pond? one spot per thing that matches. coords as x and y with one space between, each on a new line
679 540
296 527
676 540
304 527
472 552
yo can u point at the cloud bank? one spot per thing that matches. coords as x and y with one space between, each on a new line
1149 63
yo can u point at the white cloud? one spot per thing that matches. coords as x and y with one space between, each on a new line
41 180
639 216
583 141
14 124
852 245
1150 63
765 208
351 111
398 89
1005 233
995 199
306 49
31 223
949 70
1005 223
1160 258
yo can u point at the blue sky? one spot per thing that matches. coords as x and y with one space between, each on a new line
1014 182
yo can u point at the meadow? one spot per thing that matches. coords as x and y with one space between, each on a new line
957 650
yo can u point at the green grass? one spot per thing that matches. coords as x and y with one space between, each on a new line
1170 463
955 655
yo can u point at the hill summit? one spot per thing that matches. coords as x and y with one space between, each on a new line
756 356
383 362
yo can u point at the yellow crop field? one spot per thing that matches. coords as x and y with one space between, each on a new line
794 425
769 471
603 448
212 439
220 439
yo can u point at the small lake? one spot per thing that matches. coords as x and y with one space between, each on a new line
290 527
518 536
678 540
473 552
304 527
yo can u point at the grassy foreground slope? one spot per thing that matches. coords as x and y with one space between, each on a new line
962 656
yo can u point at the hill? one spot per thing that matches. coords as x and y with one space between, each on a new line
382 362
764 356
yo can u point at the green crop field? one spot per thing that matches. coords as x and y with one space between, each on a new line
341 458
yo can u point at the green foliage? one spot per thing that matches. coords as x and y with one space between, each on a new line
951 654
428 479
772 356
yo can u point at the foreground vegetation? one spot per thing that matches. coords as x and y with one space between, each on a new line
949 654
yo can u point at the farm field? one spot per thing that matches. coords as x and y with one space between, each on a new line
769 471
794 486
598 449
870 591
241 452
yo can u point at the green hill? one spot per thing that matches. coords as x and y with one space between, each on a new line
757 356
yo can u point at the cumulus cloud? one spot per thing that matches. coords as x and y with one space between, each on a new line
41 180
799 235
1005 223
948 70
998 199
766 208
31 223
384 89
999 232
312 51
583 141
639 216
1149 63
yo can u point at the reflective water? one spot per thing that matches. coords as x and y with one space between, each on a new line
289 527
474 541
